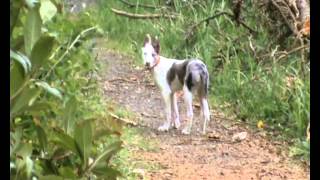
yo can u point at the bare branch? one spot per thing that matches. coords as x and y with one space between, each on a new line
252 31
292 28
193 27
142 16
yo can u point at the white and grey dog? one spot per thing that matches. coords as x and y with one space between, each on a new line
172 75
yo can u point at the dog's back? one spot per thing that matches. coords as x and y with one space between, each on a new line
193 73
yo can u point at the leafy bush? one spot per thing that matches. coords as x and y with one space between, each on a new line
54 96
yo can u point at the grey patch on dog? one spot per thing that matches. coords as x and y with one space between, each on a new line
178 70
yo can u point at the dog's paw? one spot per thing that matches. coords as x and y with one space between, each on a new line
203 132
186 131
164 127
177 124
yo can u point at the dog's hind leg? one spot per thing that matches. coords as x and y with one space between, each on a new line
188 101
206 113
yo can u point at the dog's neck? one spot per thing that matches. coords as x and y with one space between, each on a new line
157 62
161 68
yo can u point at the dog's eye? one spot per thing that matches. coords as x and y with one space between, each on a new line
153 54
145 53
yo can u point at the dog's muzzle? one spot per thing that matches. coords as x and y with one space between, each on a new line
147 66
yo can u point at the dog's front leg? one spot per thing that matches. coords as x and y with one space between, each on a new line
167 100
175 111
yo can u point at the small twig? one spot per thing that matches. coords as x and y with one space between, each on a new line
148 115
292 51
251 46
127 121
284 53
142 16
121 79
139 5
252 31
297 49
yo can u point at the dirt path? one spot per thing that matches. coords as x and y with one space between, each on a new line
193 156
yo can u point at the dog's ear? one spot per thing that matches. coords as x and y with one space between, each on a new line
147 39
156 45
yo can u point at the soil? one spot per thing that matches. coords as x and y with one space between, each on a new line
194 156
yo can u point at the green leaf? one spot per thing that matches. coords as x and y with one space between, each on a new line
106 172
24 163
32 29
22 100
17 78
22 60
17 42
37 107
107 153
49 89
67 172
15 7
24 150
83 137
47 10
103 132
42 137
69 114
66 141
41 51
15 139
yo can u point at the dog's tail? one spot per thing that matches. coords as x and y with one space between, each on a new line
204 82
197 75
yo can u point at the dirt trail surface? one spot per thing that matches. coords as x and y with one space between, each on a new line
194 156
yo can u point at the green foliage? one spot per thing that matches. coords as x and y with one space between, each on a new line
52 110
301 150
255 74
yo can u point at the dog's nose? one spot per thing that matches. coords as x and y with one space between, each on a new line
147 64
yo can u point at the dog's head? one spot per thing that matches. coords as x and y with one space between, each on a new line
150 51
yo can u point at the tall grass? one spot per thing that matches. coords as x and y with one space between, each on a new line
258 87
